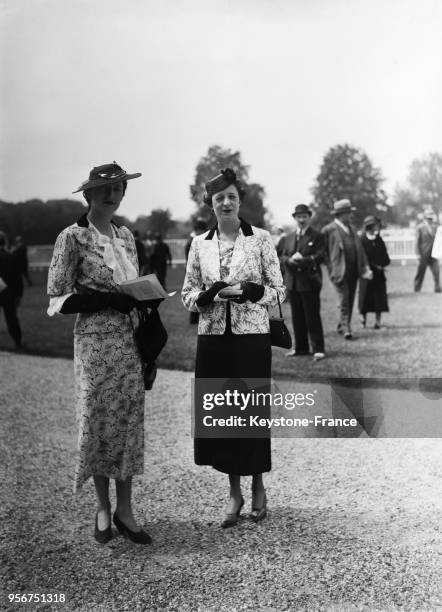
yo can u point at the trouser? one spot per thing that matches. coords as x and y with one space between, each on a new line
10 309
306 317
346 291
433 264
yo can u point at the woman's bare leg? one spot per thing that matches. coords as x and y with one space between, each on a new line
124 503
103 503
258 491
235 493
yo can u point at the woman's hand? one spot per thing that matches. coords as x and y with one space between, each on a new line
206 297
122 302
252 292
149 303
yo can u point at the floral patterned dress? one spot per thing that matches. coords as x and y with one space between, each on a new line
109 385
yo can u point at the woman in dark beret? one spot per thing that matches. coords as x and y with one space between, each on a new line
232 275
91 258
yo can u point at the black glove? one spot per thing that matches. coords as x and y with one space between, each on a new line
93 302
206 297
122 302
250 291
150 303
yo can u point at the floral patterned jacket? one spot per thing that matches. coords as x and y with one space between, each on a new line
80 264
254 259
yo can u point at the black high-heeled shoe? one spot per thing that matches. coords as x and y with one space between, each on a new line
102 535
139 537
232 517
258 514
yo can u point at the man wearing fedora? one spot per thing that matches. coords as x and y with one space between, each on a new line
302 253
425 235
346 261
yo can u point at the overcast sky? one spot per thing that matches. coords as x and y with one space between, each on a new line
153 83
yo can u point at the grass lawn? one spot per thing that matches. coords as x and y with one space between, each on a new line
409 347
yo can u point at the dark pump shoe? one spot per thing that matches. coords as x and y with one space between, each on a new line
139 537
102 536
258 514
232 518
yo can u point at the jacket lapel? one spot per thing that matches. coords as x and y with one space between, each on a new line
239 256
243 244
210 256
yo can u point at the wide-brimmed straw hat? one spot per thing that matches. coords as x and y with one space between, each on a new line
106 175
342 206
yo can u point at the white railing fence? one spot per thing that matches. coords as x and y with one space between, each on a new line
400 245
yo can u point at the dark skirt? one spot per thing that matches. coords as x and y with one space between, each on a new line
234 356
373 294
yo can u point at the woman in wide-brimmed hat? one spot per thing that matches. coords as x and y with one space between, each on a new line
91 258
232 275
373 292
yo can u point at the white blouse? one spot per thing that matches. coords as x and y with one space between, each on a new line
114 256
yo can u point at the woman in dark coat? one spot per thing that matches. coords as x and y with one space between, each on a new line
373 293
232 275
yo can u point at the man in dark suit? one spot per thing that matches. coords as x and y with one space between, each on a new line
11 290
160 259
425 235
20 251
302 254
141 253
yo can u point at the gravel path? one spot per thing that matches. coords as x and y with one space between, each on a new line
353 524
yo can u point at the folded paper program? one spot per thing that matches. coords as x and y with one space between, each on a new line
144 288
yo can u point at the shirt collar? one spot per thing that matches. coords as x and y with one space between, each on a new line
344 227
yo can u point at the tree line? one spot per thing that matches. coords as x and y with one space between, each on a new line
345 172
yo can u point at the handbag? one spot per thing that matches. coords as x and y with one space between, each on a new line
150 338
279 334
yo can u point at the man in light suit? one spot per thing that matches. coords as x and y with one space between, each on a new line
346 261
301 256
425 235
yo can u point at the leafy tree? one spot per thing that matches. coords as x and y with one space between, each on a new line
347 172
158 222
422 188
217 158
405 205
40 222
252 208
